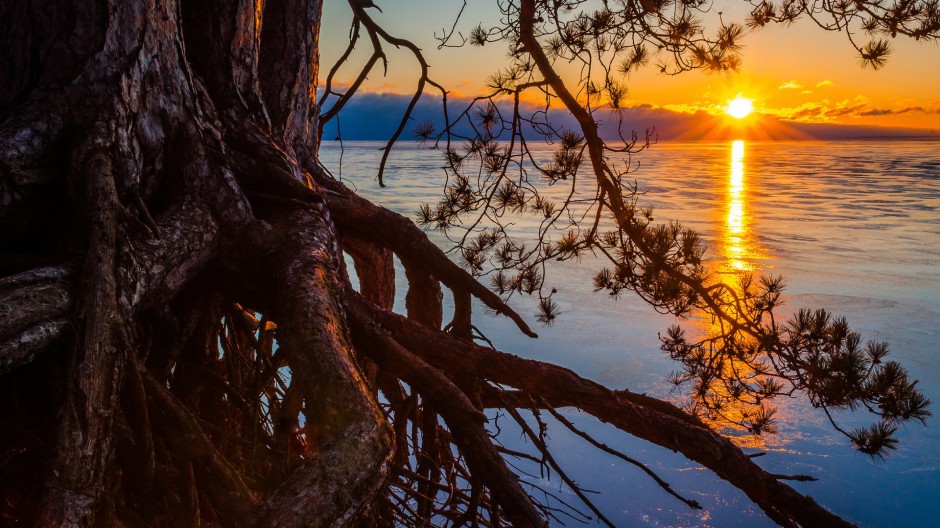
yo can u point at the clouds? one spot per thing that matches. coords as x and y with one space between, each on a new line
900 111
376 116
794 85
815 112
824 111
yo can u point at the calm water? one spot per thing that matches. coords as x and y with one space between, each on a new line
853 226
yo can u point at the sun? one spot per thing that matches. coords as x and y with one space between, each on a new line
739 107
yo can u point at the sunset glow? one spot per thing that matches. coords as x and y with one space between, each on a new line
739 107
776 74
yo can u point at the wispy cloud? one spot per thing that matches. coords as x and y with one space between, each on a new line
691 108
816 112
825 111
821 84
899 111
790 85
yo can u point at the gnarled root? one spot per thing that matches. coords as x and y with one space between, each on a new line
33 310
641 416
353 441
359 217
465 421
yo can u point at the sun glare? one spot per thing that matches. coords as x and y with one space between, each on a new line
739 107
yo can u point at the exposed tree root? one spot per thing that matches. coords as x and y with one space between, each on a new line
85 450
224 485
465 421
33 307
647 418
363 219
352 443
180 344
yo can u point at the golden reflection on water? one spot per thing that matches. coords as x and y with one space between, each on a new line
739 253
735 236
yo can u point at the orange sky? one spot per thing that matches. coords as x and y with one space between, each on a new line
798 73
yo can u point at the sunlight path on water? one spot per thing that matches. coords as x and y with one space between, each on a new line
735 251
853 226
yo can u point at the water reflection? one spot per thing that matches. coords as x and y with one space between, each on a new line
740 254
737 247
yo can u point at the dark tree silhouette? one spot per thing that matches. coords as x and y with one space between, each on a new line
179 341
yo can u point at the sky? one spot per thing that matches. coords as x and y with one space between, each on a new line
806 81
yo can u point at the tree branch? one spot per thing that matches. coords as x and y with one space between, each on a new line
561 387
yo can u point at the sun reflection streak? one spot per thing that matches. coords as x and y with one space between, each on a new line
740 255
736 247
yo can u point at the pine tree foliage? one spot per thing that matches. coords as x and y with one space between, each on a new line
750 357
180 342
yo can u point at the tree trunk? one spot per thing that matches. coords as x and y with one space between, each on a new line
155 124
179 341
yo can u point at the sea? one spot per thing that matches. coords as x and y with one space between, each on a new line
852 226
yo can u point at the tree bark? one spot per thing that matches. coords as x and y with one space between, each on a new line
179 341
352 443
132 113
